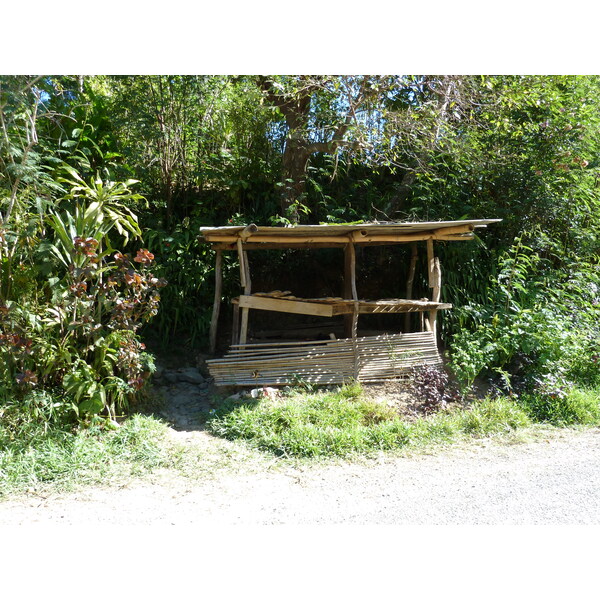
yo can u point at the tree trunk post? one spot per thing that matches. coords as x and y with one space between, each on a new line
350 291
217 301
247 285
410 282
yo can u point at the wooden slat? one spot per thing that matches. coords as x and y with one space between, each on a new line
288 306
375 358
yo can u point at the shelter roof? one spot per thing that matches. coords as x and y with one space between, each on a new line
331 235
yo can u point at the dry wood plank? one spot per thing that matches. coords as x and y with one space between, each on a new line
288 306
455 238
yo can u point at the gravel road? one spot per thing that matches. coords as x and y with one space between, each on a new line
552 481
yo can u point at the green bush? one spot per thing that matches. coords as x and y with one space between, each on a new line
74 334
538 322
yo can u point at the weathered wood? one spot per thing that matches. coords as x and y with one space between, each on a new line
437 280
468 228
247 292
366 359
437 287
217 301
350 291
240 251
358 237
410 281
235 324
287 306
247 277
244 326
248 231
430 262
329 307
455 238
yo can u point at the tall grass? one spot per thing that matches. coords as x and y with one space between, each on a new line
577 406
33 456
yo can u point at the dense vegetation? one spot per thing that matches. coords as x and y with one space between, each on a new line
105 180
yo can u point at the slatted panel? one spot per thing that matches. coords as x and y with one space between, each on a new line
368 359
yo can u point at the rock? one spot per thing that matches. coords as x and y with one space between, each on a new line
191 375
264 392
171 376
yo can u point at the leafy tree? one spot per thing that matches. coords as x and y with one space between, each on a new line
321 114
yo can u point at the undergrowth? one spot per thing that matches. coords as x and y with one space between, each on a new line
33 456
344 423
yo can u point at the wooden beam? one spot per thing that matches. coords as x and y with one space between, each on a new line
287 306
455 238
217 301
248 231
358 237
340 243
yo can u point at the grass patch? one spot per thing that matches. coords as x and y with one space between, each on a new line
344 423
34 455
576 406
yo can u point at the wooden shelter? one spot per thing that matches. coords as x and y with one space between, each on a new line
370 358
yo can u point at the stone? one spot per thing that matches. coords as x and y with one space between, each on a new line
264 392
171 376
191 375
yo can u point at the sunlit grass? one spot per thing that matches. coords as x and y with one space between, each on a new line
343 424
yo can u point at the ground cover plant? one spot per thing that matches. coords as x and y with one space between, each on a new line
36 455
344 422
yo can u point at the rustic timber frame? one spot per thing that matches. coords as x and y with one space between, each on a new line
366 359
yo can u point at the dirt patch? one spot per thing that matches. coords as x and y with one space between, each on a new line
402 397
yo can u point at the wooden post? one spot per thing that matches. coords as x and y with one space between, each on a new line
430 323
409 283
241 261
235 325
430 261
245 265
217 301
437 286
350 291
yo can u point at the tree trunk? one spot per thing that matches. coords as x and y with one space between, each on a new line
293 177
